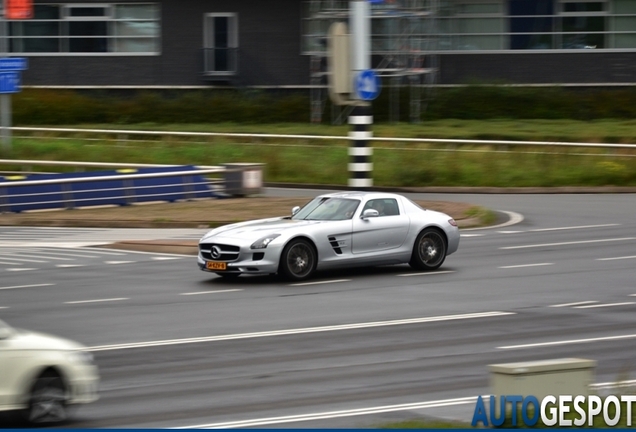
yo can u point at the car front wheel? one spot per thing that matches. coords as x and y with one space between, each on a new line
429 250
298 260
47 403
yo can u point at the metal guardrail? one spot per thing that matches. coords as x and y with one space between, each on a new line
124 188
451 142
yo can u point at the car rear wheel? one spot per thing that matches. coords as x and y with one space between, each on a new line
298 260
47 402
429 250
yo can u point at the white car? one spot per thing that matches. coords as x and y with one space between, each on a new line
343 229
42 375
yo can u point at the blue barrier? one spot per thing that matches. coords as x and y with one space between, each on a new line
86 189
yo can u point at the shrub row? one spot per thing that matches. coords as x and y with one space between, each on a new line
477 102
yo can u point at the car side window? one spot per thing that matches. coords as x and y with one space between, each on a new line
385 206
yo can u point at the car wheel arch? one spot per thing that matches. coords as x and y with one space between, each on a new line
416 261
44 372
302 238
307 239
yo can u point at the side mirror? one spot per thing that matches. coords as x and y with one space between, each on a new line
295 210
369 213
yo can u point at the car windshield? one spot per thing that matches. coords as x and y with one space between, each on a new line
326 208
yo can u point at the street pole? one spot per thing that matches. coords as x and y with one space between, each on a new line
360 120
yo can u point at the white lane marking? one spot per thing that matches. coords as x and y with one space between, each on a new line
164 258
210 292
69 265
321 282
66 254
510 232
573 227
4 307
334 414
26 286
19 269
615 384
118 262
22 259
526 265
604 305
472 235
99 251
426 273
154 253
300 331
568 243
616 258
48 256
97 301
574 304
569 342
10 263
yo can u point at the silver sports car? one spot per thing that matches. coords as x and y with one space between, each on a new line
343 229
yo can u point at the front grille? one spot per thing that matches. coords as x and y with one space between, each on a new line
225 252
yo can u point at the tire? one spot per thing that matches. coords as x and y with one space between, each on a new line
298 260
47 400
429 250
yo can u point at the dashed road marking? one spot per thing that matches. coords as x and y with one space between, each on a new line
616 258
426 273
568 243
526 265
26 286
604 305
573 304
97 300
321 282
210 292
569 342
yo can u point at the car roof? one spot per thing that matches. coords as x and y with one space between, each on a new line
360 195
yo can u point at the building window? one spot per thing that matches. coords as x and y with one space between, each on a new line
88 29
484 25
581 24
220 44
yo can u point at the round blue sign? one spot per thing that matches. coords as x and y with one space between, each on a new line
367 85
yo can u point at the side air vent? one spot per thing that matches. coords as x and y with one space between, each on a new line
335 245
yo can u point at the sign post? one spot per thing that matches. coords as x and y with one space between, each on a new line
365 88
10 67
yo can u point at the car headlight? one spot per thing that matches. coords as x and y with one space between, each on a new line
82 357
264 241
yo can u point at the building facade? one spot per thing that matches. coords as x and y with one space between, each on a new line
281 43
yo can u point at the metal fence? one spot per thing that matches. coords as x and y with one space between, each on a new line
122 187
124 135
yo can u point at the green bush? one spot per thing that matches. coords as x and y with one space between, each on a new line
473 102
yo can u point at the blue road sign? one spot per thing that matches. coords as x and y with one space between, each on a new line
367 85
13 64
9 82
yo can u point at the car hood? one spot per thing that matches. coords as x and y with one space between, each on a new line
254 230
30 340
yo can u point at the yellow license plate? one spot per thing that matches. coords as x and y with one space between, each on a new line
213 265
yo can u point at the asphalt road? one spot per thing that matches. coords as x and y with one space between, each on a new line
179 348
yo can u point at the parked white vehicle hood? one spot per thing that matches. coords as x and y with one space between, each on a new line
30 340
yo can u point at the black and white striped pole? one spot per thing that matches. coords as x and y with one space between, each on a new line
365 89
360 151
